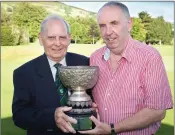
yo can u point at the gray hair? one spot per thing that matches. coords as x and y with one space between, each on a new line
53 17
123 7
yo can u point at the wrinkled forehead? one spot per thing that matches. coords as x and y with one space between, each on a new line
55 27
110 13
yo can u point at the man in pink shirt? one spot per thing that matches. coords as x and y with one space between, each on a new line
132 93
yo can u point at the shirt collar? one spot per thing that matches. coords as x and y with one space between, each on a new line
52 63
126 53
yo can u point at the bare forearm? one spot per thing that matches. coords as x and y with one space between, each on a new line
141 119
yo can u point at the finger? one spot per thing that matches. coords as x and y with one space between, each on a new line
72 130
60 111
96 110
69 119
65 108
69 127
96 121
90 132
66 125
63 129
72 120
98 117
94 105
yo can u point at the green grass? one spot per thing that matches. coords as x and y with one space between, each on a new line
13 57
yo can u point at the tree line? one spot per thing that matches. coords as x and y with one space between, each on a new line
21 25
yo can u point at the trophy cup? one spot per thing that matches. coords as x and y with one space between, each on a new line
79 79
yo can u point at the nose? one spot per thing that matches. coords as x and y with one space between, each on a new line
57 41
108 30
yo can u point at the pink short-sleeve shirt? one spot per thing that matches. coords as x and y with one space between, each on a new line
140 81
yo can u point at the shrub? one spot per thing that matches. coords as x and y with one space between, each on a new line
7 38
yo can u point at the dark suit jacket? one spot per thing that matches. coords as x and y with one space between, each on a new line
35 97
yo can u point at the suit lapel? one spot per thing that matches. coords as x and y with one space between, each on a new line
69 60
46 78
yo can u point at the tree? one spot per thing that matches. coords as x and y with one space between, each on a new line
7 38
76 31
93 30
160 31
145 19
67 10
29 17
138 32
5 17
83 29
76 28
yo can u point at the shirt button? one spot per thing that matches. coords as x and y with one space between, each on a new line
105 109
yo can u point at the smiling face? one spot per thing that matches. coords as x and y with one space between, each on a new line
55 40
114 27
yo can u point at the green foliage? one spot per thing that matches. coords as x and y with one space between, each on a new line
5 17
138 32
76 29
25 19
94 31
145 19
67 10
29 17
157 30
22 36
160 32
7 38
84 30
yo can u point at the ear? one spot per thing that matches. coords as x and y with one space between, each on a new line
129 24
69 38
40 39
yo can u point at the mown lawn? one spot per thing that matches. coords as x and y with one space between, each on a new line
12 57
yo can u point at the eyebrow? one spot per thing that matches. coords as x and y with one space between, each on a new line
102 24
114 21
51 36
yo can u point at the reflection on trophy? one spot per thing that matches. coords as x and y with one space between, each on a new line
79 79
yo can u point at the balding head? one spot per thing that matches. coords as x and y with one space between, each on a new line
53 17
123 7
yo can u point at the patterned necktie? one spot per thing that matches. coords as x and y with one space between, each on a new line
62 91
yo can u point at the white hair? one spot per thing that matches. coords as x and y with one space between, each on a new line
53 17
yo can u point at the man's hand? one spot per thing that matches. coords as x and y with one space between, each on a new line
101 128
63 121
94 106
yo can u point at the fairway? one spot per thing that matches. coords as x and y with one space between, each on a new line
13 57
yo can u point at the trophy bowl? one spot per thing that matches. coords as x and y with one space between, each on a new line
79 79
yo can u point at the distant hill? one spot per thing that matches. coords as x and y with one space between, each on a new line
55 8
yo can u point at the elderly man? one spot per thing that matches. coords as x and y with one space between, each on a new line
133 92
38 103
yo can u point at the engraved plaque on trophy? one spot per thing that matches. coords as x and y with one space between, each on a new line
79 79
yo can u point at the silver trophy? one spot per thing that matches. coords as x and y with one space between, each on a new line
79 79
